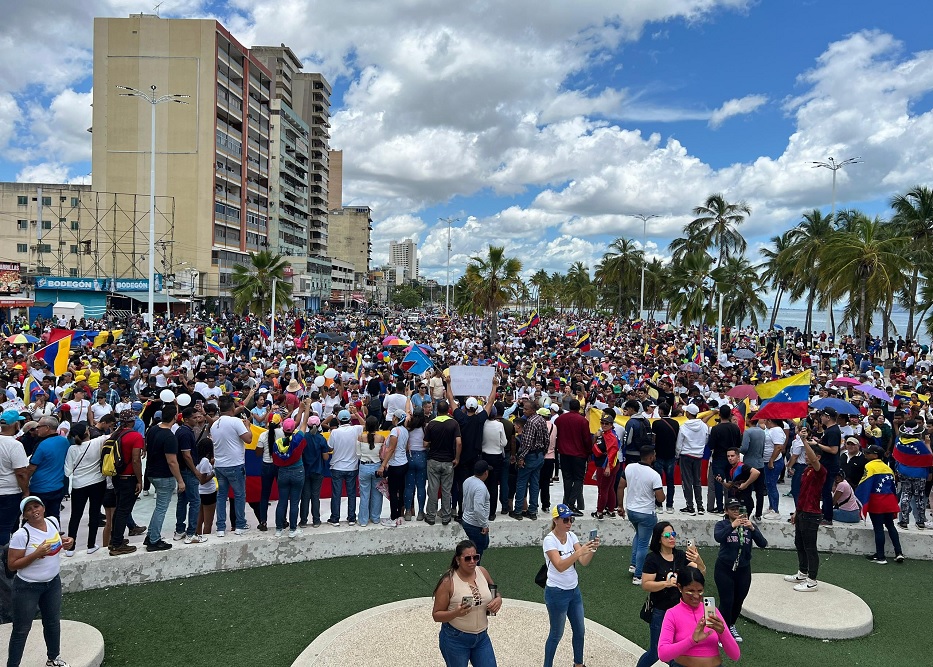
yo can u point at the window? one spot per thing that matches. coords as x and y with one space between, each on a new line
61 199
22 225
73 273
44 247
22 201
46 201
22 247
74 201
74 249
46 224
75 225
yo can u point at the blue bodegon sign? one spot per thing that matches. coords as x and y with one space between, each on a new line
98 284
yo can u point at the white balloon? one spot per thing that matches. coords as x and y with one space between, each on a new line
330 373
319 381
184 400
166 396
545 401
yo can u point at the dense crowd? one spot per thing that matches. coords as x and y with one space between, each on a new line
199 411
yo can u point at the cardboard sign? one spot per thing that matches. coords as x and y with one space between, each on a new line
471 380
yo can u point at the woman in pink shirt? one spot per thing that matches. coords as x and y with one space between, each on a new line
688 638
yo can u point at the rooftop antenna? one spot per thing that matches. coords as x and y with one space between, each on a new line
156 8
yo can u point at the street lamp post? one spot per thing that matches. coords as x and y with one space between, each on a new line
154 100
835 166
449 221
644 244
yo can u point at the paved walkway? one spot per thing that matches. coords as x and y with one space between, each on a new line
82 644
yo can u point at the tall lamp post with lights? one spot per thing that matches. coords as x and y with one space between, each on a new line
153 100
835 166
644 244
449 221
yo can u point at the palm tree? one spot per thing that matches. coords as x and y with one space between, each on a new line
740 284
807 240
690 291
778 270
867 260
621 267
581 290
913 213
492 282
717 222
252 284
657 275
539 281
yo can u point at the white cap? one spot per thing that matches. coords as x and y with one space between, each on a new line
691 409
472 403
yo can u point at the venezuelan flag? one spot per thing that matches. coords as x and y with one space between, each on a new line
740 412
383 329
358 371
354 349
56 355
776 365
522 330
571 331
501 361
534 320
786 399
264 331
877 491
103 336
697 356
32 388
584 343
534 369
912 453
637 324
214 348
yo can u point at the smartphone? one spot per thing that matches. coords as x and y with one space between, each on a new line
466 600
593 534
689 543
709 606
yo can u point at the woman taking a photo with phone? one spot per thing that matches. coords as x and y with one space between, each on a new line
659 578
562 596
733 571
691 634
461 599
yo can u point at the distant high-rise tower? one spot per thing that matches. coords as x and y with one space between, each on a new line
405 254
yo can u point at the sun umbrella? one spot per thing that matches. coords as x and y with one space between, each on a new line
743 353
840 406
22 339
427 349
393 341
690 366
742 392
778 327
845 381
594 353
871 390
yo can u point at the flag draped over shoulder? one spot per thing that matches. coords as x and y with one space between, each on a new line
786 399
877 491
55 355
740 412
911 453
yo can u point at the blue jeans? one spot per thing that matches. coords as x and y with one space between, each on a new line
9 516
462 648
291 481
562 605
771 478
311 496
416 480
28 596
164 490
847 516
476 535
528 479
665 468
720 467
231 477
370 498
269 472
339 479
189 503
795 482
649 657
643 524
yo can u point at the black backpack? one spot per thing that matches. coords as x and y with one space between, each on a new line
644 436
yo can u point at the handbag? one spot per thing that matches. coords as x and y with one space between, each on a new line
541 577
647 610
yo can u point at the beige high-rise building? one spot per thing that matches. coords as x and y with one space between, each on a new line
350 229
212 154
405 254
311 96
335 180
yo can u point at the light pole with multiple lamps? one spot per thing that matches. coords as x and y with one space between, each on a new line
449 221
154 100
644 245
835 166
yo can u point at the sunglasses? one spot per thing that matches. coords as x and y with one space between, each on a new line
669 533
468 559
568 519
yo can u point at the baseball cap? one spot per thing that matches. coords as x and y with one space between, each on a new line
555 407
398 414
289 425
29 499
136 405
11 417
691 409
481 467
830 412
471 403
733 502
343 416
561 511
877 450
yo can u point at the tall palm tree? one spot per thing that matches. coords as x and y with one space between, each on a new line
539 281
867 260
690 290
252 284
657 275
740 284
913 212
778 270
717 222
581 289
493 281
807 241
620 270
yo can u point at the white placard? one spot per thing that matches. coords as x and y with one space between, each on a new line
471 380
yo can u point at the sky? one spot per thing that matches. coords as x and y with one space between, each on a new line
545 126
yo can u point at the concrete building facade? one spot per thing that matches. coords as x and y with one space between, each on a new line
405 254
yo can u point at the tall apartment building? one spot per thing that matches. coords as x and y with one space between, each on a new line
212 154
311 96
335 180
405 254
350 229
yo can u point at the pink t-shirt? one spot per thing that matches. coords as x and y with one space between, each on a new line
677 635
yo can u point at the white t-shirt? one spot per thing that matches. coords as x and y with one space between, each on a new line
12 456
29 538
229 450
205 468
641 482
416 440
400 455
343 441
99 410
79 410
566 580
773 436
82 462
263 444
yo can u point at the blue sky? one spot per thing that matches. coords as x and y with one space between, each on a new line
544 125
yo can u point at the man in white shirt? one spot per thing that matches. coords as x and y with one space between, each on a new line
79 406
644 491
230 434
344 467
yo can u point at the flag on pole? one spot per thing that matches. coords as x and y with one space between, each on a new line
637 324
32 388
501 361
358 371
571 331
264 331
787 399
416 361
776 365
697 356
584 343
214 348
383 329
55 355
534 369
534 320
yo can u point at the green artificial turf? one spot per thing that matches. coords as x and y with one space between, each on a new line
269 615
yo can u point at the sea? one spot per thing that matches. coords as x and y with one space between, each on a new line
795 317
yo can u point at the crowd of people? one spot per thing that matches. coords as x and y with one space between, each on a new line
213 415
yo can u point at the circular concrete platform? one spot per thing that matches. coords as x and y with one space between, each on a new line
403 633
829 612
82 644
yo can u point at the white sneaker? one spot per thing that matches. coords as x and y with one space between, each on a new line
145 493
197 539
387 523
795 578
178 536
221 533
735 634
636 581
806 586
296 532
670 510
631 569
56 662
240 531
93 549
189 539
771 515
70 553
278 532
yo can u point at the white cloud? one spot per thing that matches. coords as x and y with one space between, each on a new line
736 107
45 172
